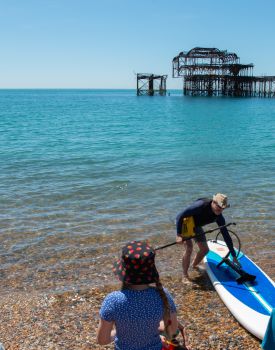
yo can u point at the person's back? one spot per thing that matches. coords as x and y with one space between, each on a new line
131 317
137 314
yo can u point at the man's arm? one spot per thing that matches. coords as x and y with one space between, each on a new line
226 236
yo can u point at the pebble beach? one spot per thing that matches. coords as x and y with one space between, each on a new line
37 320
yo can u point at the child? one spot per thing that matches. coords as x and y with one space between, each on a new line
132 316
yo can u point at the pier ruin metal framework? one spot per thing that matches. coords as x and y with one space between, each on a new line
151 84
212 72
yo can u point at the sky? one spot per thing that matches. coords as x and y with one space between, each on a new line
104 43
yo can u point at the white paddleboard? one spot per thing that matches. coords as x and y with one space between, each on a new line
251 303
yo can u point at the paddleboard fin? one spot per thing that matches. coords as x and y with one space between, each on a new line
244 276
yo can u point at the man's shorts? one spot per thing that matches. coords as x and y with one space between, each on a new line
201 235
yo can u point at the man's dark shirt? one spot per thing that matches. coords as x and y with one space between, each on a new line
203 215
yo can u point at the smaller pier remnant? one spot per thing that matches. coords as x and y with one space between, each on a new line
151 84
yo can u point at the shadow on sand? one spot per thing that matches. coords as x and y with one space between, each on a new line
202 282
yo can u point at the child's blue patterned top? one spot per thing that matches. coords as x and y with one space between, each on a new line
136 315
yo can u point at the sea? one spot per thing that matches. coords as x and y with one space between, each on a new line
82 172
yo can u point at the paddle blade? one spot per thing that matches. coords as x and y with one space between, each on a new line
246 277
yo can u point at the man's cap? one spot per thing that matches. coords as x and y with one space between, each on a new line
221 200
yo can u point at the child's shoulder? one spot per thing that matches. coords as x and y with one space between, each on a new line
114 293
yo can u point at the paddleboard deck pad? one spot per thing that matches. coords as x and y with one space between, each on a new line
251 303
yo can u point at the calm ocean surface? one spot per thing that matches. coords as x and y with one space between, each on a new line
83 171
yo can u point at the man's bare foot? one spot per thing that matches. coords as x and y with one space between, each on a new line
186 280
198 268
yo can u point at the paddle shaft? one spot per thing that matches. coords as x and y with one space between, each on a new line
200 234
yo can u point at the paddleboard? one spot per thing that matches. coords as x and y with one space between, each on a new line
251 303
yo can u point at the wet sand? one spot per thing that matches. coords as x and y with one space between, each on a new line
47 319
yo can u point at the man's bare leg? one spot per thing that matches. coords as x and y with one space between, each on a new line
188 246
203 250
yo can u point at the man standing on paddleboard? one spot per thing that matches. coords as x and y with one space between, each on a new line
202 212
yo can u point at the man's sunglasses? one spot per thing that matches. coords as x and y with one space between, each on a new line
218 205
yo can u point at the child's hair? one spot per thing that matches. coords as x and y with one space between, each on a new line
124 285
166 309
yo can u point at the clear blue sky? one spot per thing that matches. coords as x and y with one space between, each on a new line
102 43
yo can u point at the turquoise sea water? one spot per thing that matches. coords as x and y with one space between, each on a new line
83 168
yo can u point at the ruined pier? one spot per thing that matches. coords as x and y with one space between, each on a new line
212 72
151 84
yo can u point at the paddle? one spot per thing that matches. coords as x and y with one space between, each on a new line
200 234
244 276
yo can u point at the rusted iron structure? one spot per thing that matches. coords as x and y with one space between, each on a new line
151 84
212 72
